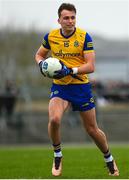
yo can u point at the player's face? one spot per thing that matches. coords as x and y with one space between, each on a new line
67 20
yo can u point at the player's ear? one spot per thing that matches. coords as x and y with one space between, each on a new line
59 20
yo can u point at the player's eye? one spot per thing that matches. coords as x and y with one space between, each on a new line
66 18
73 17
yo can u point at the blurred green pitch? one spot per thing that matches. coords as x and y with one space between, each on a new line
78 162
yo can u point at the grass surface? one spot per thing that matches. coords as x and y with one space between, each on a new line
78 162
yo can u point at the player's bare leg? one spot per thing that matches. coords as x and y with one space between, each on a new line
89 121
57 106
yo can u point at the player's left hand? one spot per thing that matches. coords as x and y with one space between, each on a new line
63 72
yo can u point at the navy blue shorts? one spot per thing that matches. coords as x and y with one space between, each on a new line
79 95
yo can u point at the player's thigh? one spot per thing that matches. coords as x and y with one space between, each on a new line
57 107
89 118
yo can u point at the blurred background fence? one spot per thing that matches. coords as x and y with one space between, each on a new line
31 127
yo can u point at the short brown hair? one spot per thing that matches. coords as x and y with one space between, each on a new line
66 6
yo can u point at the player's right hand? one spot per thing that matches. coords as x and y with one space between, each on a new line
40 66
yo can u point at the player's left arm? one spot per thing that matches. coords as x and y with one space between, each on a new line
89 57
89 66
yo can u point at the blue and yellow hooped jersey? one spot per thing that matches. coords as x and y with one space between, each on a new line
70 51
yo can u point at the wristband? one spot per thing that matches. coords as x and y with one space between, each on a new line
75 70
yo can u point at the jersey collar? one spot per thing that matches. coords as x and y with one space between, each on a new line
67 36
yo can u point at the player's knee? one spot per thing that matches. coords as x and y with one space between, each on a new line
92 131
55 120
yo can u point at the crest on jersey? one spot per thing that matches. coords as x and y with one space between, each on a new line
76 43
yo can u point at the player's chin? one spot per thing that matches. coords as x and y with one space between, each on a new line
70 28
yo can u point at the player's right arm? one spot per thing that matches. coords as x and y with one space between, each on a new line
41 54
43 50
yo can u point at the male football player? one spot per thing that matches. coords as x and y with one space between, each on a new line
74 48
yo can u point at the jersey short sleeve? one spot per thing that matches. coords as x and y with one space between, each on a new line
45 42
88 43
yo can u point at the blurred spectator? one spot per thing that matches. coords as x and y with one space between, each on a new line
117 91
8 100
98 87
110 92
